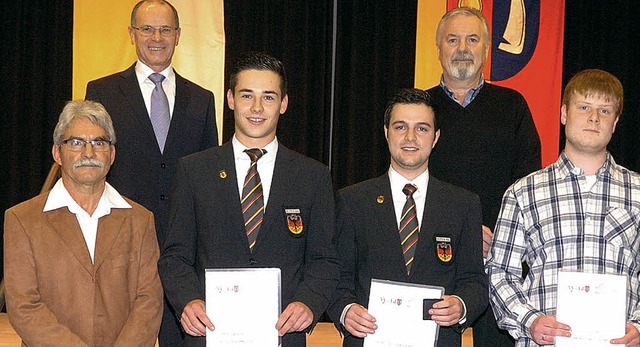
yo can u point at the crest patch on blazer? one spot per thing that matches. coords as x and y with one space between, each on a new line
444 250
294 221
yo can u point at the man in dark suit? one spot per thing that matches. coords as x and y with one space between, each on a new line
294 222
374 240
146 163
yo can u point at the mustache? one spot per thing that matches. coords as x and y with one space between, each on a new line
88 162
462 55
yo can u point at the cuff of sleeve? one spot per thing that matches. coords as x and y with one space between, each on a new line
463 317
344 312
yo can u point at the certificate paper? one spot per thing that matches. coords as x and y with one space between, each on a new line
594 306
397 307
243 305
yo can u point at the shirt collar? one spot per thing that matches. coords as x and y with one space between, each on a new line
143 72
397 180
238 149
471 94
566 168
59 197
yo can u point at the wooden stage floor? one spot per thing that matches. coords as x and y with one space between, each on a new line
324 335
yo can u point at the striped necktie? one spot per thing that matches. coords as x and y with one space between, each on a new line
160 118
409 227
252 200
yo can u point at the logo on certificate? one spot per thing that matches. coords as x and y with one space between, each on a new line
294 220
444 249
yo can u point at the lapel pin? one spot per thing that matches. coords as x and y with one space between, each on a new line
222 174
380 199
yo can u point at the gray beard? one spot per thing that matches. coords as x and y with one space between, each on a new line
462 71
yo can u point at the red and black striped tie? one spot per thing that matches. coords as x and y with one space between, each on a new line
409 227
252 200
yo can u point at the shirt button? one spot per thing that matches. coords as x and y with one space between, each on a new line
163 165
163 197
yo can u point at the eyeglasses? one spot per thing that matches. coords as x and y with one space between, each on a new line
76 144
148 30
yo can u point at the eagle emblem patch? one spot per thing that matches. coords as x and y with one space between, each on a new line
444 250
294 220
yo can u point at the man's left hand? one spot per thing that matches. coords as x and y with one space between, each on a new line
487 236
630 339
296 317
446 312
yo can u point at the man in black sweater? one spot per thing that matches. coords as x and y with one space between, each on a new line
488 136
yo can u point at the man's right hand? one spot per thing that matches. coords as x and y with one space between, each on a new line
359 322
194 319
544 330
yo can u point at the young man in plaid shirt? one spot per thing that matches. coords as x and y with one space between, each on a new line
581 213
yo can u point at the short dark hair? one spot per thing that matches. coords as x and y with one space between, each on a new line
411 96
161 2
258 61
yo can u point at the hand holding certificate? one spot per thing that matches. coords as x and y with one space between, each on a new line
244 305
399 311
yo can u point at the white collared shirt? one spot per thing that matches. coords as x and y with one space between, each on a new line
146 85
59 197
266 164
399 198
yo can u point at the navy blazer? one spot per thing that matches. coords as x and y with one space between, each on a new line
206 230
141 172
369 246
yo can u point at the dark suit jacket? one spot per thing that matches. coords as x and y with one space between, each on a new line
141 172
56 296
206 230
369 247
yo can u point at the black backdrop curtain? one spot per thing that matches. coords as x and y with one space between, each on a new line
336 104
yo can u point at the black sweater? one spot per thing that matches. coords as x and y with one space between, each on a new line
485 146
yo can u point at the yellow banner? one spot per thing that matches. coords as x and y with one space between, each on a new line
101 44
428 69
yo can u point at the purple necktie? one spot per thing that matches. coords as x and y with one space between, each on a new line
160 118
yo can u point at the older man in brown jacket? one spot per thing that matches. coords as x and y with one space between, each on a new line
81 260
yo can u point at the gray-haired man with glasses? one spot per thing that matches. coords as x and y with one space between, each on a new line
81 259
159 117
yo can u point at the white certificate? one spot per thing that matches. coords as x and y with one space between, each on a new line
594 306
243 305
398 310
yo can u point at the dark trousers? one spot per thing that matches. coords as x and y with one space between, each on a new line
171 334
487 334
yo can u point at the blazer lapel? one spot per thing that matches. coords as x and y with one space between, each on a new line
386 218
65 224
429 219
224 161
109 227
130 90
284 174
180 107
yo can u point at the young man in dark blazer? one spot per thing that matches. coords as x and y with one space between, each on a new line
444 248
207 227
144 171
